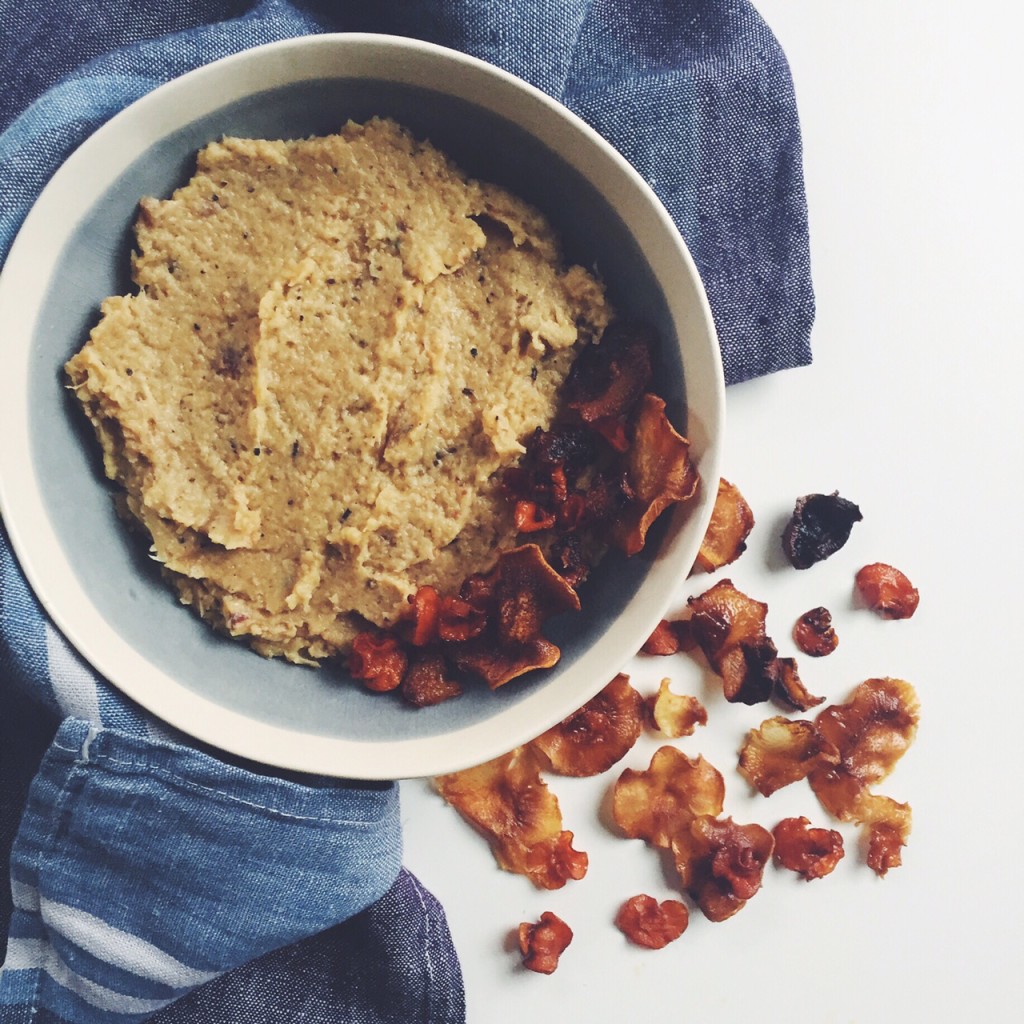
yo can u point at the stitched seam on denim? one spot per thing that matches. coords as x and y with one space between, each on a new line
117 765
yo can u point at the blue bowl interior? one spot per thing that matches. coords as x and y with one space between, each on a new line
112 563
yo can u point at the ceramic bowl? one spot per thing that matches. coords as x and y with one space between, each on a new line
95 579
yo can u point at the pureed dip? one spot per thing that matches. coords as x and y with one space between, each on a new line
337 346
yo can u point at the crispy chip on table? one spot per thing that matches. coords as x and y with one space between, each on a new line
726 538
542 943
870 732
509 803
598 735
810 852
675 714
782 751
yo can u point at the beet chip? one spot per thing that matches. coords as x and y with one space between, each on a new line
871 732
510 805
426 682
730 525
810 852
607 379
819 527
541 944
592 739
646 922
659 471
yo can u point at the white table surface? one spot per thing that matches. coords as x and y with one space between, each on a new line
913 159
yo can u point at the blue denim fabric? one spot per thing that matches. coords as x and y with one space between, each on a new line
144 869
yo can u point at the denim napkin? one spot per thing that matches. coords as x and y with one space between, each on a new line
154 880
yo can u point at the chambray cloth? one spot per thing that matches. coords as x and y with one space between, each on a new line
148 873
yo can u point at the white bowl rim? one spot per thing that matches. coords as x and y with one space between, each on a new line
37 547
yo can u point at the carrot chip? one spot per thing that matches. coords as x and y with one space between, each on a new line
646 922
810 852
814 633
510 805
542 943
887 591
600 733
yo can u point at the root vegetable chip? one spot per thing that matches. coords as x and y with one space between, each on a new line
516 597
782 751
510 805
730 525
674 714
819 527
657 803
426 682
887 591
814 634
729 628
646 922
378 661
592 739
541 944
721 864
607 380
870 732
670 638
660 473
810 852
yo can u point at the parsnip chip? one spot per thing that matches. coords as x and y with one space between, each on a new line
721 864
541 944
646 922
659 470
729 628
498 666
730 525
871 732
810 852
675 714
655 804
510 805
724 617
782 751
592 739
670 638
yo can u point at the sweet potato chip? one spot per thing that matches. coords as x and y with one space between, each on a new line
657 803
721 864
659 470
782 751
887 591
810 852
600 733
646 922
510 805
870 732
674 714
726 536
541 944
814 633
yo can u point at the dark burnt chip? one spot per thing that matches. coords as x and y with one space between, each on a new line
819 527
